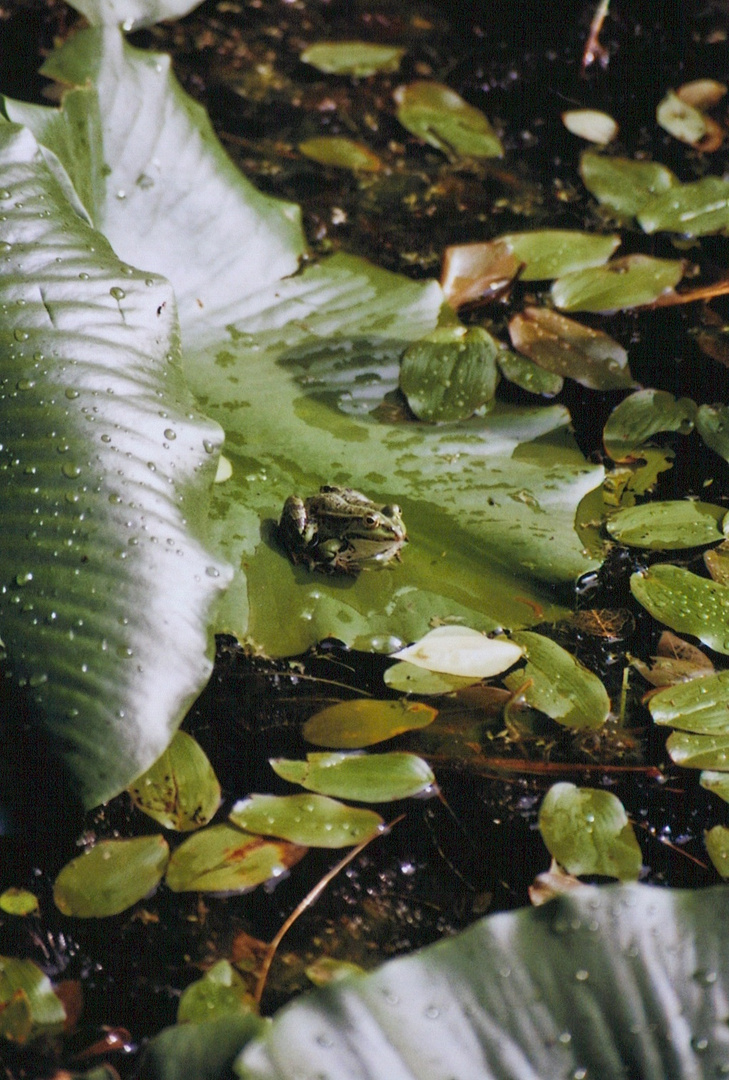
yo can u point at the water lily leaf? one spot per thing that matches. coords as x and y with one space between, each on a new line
699 706
220 992
16 901
689 604
356 58
313 820
699 751
715 782
294 365
624 185
567 348
95 558
663 526
181 790
623 283
558 684
27 1002
681 119
363 777
529 376
351 725
340 153
711 423
591 124
587 831
224 858
203 1051
717 846
551 992
450 374
412 679
439 116
640 416
111 877
717 563
695 209
461 650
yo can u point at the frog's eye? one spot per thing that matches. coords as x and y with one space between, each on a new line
391 510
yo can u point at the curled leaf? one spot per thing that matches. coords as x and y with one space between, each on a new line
220 992
590 124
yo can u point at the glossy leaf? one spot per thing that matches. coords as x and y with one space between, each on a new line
450 374
681 119
339 153
111 877
364 777
327 970
699 751
629 282
717 845
700 706
717 563
609 982
591 124
223 858
689 604
15 901
439 116
715 782
471 271
712 423
412 679
356 58
665 526
181 790
220 992
587 831
351 725
294 364
529 376
24 980
203 1051
460 650
557 684
549 253
640 416
622 184
312 820
569 349
696 209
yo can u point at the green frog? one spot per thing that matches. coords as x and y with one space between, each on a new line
341 531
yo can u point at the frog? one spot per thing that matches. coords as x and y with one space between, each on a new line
341 531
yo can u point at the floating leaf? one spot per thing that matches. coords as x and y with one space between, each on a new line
700 706
665 526
624 185
587 831
312 820
27 1001
693 751
712 424
340 153
356 58
450 374
529 376
567 348
412 679
351 725
558 684
327 970
640 416
629 282
591 124
223 858
439 116
716 782
460 650
549 253
717 563
695 209
181 790
363 777
15 901
111 877
717 846
689 604
471 271
220 992
680 119
204 1051
702 93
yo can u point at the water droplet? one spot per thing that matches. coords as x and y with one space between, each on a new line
117 293
20 335
432 1012
84 276
23 579
71 394
582 975
38 679
208 447
170 434
71 470
25 384
212 571
4 193
700 1044
5 247
565 1038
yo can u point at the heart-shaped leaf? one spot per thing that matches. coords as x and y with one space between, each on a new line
587 831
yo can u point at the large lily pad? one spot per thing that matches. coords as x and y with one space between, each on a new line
294 364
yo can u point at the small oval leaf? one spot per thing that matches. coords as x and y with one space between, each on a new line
567 348
439 116
689 604
460 650
364 777
587 831
18 902
557 684
311 820
695 209
665 526
590 124
351 725
412 679
111 877
356 58
220 992
621 184
629 282
223 858
337 152
450 374
181 790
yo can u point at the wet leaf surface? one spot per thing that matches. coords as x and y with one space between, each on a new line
311 820
623 184
695 209
628 282
686 602
554 682
450 374
220 992
111 877
568 349
587 831
663 526
224 858
365 778
351 725
181 790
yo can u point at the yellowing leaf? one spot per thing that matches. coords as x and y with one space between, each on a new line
356 58
459 650
340 153
363 777
567 348
351 725
111 877
181 790
717 845
224 858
